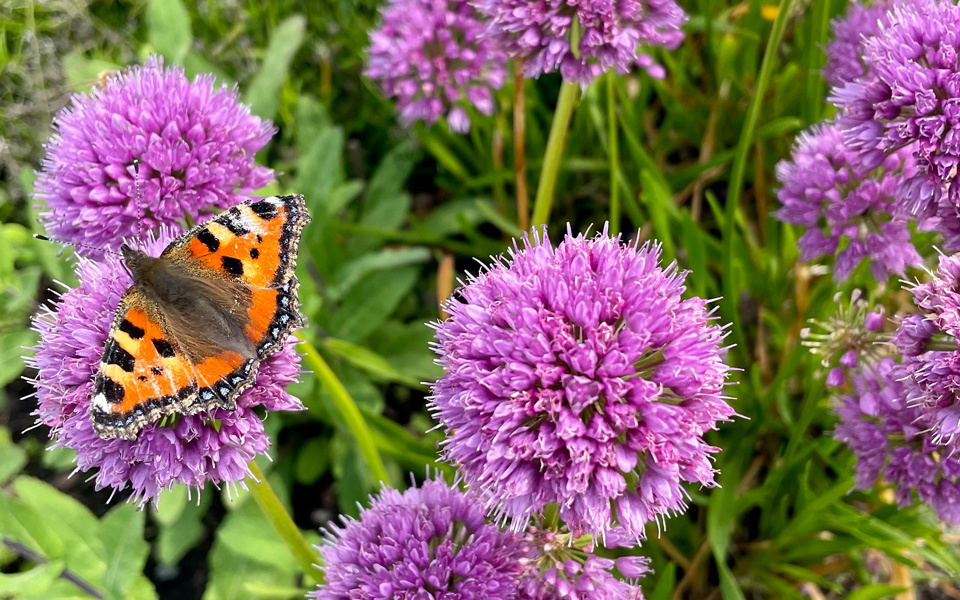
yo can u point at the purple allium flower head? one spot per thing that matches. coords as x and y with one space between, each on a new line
888 437
430 542
844 52
195 143
847 211
580 376
608 33
930 346
193 449
433 56
909 96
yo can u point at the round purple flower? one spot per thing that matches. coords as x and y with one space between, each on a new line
930 346
845 50
195 145
213 446
434 58
909 96
889 439
580 376
606 34
430 542
847 211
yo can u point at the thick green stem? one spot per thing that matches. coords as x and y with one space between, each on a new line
280 520
554 153
614 154
347 408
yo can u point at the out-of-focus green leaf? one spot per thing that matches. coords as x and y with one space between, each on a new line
263 95
121 532
388 258
169 30
12 456
875 592
371 302
371 362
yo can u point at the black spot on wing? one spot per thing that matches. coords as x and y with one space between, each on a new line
254 253
265 210
156 370
164 348
110 389
114 354
132 330
232 265
233 220
209 240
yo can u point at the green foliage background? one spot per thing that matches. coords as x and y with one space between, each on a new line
693 169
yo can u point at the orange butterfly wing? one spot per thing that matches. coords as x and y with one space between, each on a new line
144 374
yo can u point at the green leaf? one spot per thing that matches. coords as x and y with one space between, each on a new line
666 582
168 29
264 91
23 524
12 350
34 583
388 258
313 460
12 456
728 583
371 302
248 534
659 202
82 72
371 362
170 504
121 532
875 592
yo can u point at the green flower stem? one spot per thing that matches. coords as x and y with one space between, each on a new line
280 520
348 409
613 134
551 160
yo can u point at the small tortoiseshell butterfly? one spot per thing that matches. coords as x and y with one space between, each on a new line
191 331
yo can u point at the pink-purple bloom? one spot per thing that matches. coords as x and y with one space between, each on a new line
584 39
210 447
845 50
847 211
434 57
429 542
580 376
889 439
930 346
195 144
909 96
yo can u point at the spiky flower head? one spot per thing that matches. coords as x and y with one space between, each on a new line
433 56
429 542
561 567
195 144
848 212
845 50
889 439
929 343
909 95
582 40
212 446
580 376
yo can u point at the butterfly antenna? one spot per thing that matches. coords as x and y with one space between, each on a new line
44 238
136 181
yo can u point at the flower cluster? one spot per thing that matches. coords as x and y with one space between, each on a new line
847 212
582 40
930 345
195 145
909 95
434 57
428 538
580 376
433 541
845 50
887 436
214 446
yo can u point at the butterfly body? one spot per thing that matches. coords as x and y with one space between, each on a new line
190 333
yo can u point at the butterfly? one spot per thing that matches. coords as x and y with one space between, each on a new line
192 330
